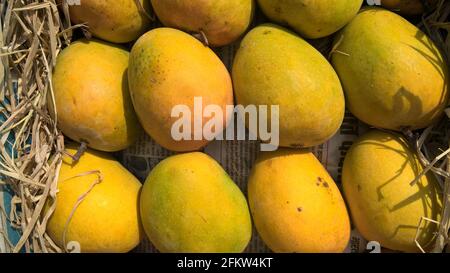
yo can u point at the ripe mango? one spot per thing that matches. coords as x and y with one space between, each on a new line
377 173
407 7
393 79
222 21
190 204
91 95
117 21
169 68
311 19
274 66
295 204
107 218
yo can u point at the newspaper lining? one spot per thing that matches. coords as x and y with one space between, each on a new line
237 157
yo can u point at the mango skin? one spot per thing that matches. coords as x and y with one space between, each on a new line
116 21
393 79
377 173
295 204
167 68
107 220
189 204
91 95
222 21
274 66
311 19
406 7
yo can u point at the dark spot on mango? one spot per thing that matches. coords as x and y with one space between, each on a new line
299 209
267 32
359 188
321 181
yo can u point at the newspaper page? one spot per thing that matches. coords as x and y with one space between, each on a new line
237 158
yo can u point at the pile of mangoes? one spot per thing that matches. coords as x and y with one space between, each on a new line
386 71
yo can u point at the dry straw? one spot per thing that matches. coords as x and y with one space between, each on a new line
32 33
433 145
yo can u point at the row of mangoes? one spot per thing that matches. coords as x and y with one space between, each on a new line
393 76
190 204
223 22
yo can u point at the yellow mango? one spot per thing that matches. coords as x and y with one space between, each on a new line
406 7
222 21
385 207
311 19
107 218
117 21
190 204
393 79
274 66
91 95
169 68
295 204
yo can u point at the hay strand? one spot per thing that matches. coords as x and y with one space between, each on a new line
33 33
433 144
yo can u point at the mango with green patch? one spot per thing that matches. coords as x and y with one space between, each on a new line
190 204
385 207
394 76
273 66
311 19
